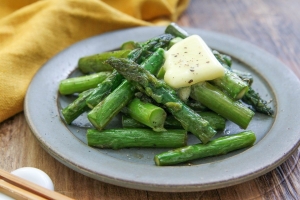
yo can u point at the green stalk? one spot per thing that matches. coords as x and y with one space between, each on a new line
96 63
147 113
213 98
161 93
219 146
105 88
216 121
77 107
231 84
258 104
81 83
100 115
125 138
176 30
109 107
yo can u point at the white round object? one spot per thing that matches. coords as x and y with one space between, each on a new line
34 175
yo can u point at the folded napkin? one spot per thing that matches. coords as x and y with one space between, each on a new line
31 32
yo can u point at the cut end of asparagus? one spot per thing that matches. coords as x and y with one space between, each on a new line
157 120
157 161
242 93
92 117
175 30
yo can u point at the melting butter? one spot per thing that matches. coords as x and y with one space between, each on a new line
190 61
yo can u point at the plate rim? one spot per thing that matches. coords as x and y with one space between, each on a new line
129 180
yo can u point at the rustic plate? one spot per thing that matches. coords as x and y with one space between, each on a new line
277 137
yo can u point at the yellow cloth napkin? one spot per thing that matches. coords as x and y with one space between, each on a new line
31 32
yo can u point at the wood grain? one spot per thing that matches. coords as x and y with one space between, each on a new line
273 25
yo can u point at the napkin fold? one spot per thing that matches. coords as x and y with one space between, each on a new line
31 32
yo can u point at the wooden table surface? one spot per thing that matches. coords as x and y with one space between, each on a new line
273 25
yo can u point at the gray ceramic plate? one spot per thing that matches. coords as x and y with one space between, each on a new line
277 137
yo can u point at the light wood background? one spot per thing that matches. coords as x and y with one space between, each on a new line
273 25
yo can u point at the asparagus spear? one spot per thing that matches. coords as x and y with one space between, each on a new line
82 83
100 115
216 121
176 30
77 107
231 84
110 106
161 93
103 89
124 138
91 96
213 98
219 146
96 63
147 113
258 104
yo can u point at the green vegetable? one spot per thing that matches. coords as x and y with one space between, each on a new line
161 93
109 107
174 41
147 113
175 30
81 83
258 104
105 88
213 98
216 121
96 63
231 84
130 45
77 107
100 115
219 146
124 138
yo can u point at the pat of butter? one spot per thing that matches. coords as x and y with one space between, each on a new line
190 61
